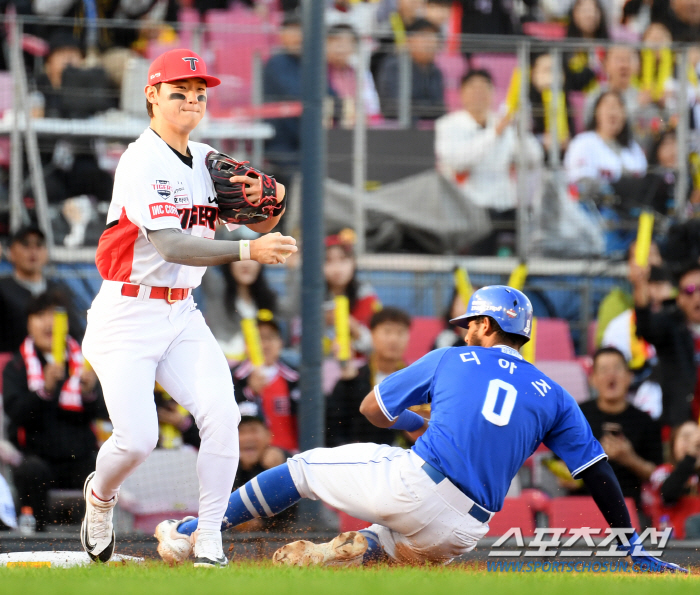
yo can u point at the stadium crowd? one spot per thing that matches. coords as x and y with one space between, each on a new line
619 150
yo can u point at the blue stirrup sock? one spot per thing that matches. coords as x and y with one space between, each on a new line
263 496
375 552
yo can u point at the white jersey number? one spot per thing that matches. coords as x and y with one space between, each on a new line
489 408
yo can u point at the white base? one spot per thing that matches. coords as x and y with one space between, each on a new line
58 559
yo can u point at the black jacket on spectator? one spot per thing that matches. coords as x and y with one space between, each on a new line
344 422
683 244
13 313
490 17
642 431
668 332
39 426
675 486
427 90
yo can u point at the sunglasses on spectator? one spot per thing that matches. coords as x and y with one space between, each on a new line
690 289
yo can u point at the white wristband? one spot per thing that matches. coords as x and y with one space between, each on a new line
244 249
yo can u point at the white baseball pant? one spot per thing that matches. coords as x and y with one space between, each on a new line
416 520
133 342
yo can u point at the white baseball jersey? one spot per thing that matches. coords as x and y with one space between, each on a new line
154 189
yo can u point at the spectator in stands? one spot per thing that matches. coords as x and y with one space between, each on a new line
491 17
663 173
340 271
50 407
438 12
272 386
618 299
620 65
451 335
682 18
233 292
476 150
257 454
28 256
606 152
540 104
586 21
393 17
282 82
674 333
630 438
390 329
176 425
427 89
72 173
672 499
683 243
621 333
341 48
361 16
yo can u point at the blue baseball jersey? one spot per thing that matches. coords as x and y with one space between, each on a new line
490 410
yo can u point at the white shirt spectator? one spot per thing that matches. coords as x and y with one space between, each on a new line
589 156
479 161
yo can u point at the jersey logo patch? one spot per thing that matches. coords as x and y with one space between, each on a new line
199 215
162 209
163 187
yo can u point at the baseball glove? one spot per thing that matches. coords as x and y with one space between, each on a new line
234 206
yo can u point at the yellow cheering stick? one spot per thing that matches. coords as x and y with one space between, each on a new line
251 334
645 229
463 285
58 337
513 95
518 276
342 327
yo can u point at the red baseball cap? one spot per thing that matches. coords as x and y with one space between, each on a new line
177 65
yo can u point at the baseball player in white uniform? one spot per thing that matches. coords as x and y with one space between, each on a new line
143 325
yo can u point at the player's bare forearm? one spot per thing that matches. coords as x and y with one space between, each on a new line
267 225
372 411
177 247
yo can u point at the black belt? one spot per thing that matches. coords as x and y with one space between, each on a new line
480 514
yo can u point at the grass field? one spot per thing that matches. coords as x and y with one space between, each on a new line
262 578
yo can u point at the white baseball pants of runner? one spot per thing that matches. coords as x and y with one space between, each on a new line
415 519
133 342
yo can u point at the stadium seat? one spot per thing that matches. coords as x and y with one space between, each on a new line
581 511
349 523
453 66
544 30
516 512
424 330
590 336
570 375
553 341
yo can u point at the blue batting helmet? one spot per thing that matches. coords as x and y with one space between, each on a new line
510 308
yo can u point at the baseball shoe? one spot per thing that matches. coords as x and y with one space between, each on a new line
208 551
173 547
97 531
345 550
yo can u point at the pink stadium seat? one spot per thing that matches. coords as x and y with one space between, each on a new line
453 66
516 512
553 340
544 30
581 511
424 330
570 375
501 68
